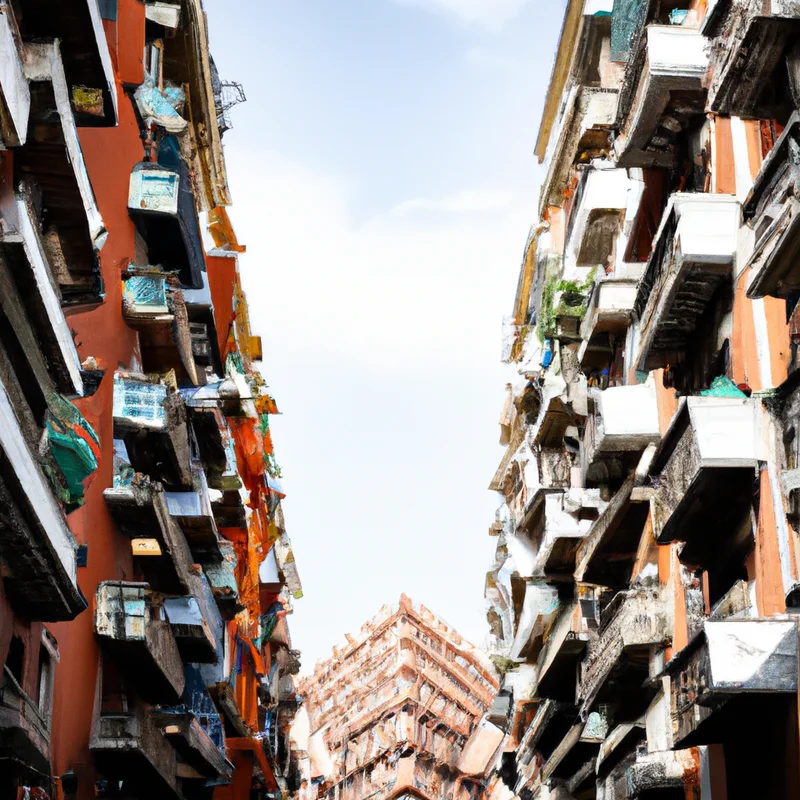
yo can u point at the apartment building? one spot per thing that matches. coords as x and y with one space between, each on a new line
147 575
399 711
644 589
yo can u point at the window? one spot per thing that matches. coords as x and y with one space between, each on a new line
45 684
108 9
15 662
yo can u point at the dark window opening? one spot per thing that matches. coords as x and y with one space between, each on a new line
28 383
648 217
44 683
108 9
704 359
15 662
114 692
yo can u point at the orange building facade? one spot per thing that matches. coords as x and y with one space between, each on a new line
147 573
644 590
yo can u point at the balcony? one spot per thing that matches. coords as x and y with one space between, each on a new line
201 757
540 606
196 622
622 422
633 627
583 132
606 556
89 74
162 205
52 158
193 513
563 743
27 274
553 721
693 254
772 210
730 675
15 94
134 630
195 729
577 750
561 655
608 316
24 734
546 542
203 326
158 545
152 421
706 470
595 222
554 418
664 98
130 748
214 443
36 545
229 509
222 579
644 774
750 42
158 312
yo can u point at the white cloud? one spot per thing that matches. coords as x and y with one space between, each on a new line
464 202
491 14
391 290
382 345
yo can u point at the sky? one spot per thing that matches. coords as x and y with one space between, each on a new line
384 182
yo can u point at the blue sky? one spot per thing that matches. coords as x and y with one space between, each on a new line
384 183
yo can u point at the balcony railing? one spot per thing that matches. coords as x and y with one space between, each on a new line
162 205
74 231
773 211
159 546
730 672
158 311
193 513
25 257
134 629
24 734
38 549
196 730
222 579
669 87
693 253
634 625
193 744
605 557
646 774
706 470
131 748
751 38
152 421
